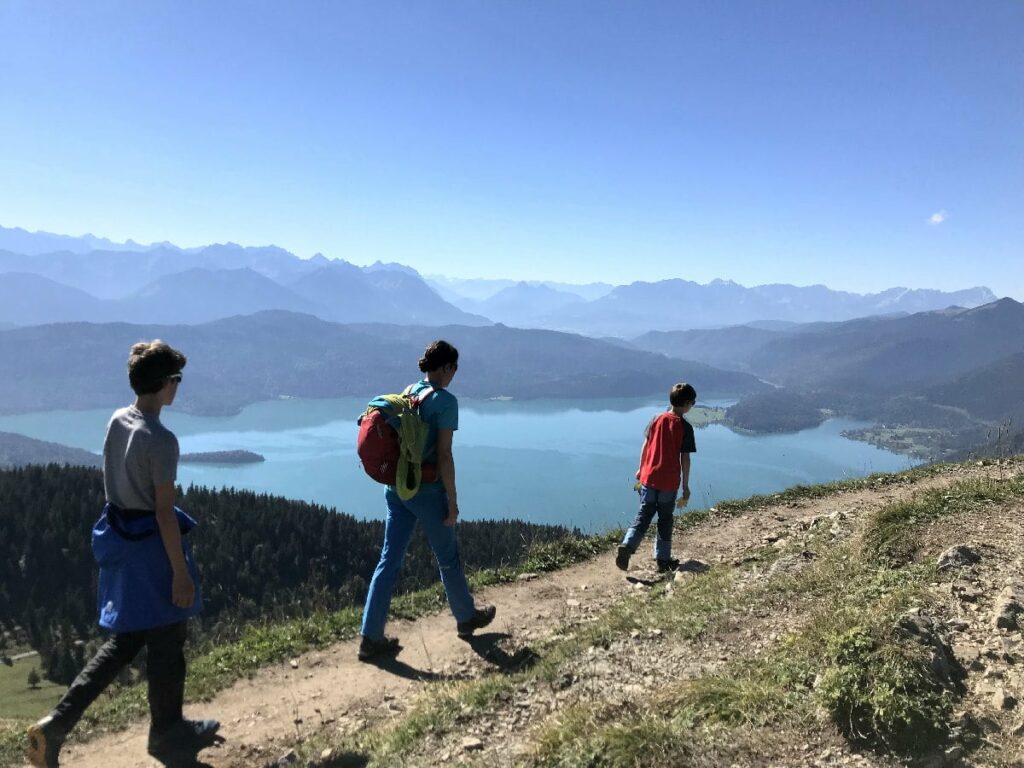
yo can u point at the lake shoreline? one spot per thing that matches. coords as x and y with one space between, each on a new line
553 462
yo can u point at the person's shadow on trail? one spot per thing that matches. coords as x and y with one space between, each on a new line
486 647
182 761
399 668
693 566
346 760
645 582
187 758
687 566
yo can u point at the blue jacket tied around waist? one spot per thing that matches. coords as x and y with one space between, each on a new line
134 591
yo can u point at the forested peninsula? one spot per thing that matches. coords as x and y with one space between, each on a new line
777 411
222 457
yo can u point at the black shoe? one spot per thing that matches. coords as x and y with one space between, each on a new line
44 742
665 566
481 618
622 555
370 649
185 737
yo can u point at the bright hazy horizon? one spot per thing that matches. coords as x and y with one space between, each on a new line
861 146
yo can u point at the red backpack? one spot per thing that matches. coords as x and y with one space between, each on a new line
377 444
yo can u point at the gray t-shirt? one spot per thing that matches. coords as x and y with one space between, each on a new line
139 453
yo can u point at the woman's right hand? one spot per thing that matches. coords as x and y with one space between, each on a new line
453 512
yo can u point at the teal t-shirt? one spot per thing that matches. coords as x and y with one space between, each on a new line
440 411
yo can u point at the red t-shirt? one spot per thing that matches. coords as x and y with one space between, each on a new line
668 437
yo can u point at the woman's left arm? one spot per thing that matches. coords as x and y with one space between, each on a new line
446 468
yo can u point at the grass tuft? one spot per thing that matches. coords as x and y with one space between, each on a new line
597 737
891 538
884 691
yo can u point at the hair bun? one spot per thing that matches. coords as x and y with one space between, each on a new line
437 355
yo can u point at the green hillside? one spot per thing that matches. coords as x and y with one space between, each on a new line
994 391
16 450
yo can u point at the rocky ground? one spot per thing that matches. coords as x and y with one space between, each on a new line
984 617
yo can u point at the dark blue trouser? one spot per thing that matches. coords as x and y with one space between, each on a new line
165 673
653 502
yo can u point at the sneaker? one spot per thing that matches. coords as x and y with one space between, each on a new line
185 736
622 555
665 566
370 649
481 618
44 742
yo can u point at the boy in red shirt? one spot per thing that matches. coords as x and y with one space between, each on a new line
664 462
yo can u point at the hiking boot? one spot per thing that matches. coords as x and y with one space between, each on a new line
481 618
622 555
370 649
44 742
184 737
665 566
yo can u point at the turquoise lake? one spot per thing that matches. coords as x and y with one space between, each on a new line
542 461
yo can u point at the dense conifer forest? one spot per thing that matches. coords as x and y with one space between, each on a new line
260 557
778 411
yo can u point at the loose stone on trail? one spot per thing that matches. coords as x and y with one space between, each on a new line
1008 608
959 556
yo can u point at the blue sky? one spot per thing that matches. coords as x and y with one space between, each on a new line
858 144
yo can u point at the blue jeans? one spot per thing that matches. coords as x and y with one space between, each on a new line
653 501
429 510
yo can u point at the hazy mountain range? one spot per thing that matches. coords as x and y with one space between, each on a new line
48 278
457 289
332 290
629 310
269 355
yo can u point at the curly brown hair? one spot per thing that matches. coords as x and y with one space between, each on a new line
150 363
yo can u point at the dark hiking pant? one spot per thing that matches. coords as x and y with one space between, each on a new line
165 672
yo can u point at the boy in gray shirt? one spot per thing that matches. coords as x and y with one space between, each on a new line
147 582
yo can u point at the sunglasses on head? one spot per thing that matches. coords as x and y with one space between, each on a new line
174 377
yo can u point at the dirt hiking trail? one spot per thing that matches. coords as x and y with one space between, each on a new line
329 690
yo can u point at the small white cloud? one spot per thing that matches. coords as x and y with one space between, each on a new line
937 218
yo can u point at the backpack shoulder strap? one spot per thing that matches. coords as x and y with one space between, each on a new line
420 396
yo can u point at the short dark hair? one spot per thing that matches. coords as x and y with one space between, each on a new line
681 394
438 354
150 363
